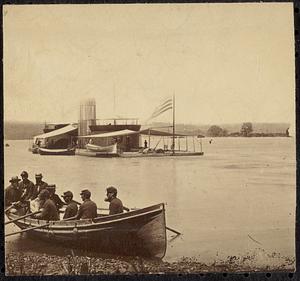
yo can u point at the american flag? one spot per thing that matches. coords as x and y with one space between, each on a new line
165 106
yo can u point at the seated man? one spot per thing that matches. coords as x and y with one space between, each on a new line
13 192
115 204
39 185
49 211
88 209
54 197
72 209
27 187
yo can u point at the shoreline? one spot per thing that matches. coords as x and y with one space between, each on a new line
18 264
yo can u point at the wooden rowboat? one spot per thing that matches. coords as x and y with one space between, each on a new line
97 148
66 151
136 233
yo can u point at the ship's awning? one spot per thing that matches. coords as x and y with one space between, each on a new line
130 132
67 129
111 134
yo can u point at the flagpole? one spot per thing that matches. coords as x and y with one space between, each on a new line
173 142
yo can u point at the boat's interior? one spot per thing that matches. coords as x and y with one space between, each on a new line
23 209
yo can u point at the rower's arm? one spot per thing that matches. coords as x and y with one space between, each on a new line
79 214
41 214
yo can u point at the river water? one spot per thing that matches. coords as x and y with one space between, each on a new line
236 200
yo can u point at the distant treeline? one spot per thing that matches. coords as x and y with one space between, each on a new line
26 130
246 129
21 130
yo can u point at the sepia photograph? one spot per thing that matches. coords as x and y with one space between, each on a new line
149 138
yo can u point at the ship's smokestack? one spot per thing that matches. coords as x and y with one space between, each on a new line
87 116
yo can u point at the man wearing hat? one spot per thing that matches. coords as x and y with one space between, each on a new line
48 208
72 209
39 185
115 204
27 187
54 197
13 192
88 209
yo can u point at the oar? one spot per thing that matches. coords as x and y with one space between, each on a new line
8 208
23 217
31 228
27 229
11 206
173 230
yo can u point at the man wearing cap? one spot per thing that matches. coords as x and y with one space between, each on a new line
88 209
48 208
39 185
13 192
115 204
72 209
54 197
27 187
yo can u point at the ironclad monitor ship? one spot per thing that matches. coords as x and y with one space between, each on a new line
112 137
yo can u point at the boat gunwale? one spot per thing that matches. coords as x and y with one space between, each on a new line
90 223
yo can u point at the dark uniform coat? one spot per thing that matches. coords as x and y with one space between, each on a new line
38 188
57 201
87 210
49 211
115 206
71 210
12 194
28 190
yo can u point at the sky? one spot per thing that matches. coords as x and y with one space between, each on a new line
224 63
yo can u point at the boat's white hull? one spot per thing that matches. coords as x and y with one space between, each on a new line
97 148
67 151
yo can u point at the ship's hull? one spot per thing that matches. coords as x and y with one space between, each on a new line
140 232
67 151
97 148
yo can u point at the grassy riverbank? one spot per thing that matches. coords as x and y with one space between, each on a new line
20 264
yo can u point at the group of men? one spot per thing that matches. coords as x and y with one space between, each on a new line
48 202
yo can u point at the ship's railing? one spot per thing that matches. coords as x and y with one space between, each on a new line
118 121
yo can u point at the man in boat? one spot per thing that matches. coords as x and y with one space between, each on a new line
115 204
13 192
72 208
27 187
88 209
39 185
54 197
48 208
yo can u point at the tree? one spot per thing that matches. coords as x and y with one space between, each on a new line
216 131
246 129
